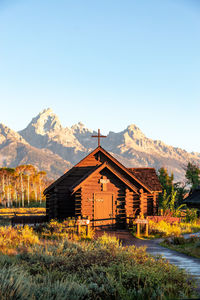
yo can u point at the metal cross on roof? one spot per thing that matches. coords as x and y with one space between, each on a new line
99 136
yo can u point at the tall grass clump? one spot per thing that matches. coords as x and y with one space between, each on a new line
12 239
165 229
55 230
18 284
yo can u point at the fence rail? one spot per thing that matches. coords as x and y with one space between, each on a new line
20 213
23 218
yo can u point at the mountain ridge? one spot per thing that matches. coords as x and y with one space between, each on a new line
63 147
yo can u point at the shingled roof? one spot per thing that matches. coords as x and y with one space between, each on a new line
71 176
148 176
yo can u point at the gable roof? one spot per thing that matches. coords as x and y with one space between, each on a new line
118 164
82 180
148 176
88 164
74 174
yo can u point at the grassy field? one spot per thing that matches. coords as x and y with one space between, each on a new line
55 263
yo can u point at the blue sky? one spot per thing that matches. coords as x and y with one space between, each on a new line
105 63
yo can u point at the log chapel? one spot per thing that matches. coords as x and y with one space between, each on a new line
100 187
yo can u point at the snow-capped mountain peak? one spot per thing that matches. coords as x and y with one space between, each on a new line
70 144
45 122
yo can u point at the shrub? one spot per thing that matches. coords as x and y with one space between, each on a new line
56 230
18 284
13 283
176 229
177 240
191 215
11 239
180 240
77 269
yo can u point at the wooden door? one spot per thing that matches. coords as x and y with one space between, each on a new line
103 207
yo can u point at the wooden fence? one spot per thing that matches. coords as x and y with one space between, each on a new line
118 222
28 220
94 223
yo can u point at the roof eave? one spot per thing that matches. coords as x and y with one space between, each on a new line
126 170
73 189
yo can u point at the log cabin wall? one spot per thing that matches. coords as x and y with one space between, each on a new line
143 202
70 205
150 209
148 203
66 205
93 185
125 200
51 206
132 205
136 204
155 203
129 202
78 202
47 205
59 202
144 205
103 158
120 202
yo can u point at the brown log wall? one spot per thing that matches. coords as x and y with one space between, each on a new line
61 204
148 203
93 186
132 203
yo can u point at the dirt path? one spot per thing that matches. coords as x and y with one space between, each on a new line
190 264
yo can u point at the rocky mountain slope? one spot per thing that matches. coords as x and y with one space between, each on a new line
14 150
51 147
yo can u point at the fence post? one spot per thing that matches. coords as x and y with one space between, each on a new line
88 228
138 229
127 221
147 230
78 226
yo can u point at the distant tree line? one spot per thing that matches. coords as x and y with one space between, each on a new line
22 186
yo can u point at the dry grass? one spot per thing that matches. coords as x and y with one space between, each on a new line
12 240
165 229
50 264
55 230
9 212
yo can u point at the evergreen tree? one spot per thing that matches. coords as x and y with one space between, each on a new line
192 174
166 180
173 193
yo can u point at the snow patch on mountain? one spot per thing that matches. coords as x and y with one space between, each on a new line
68 145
